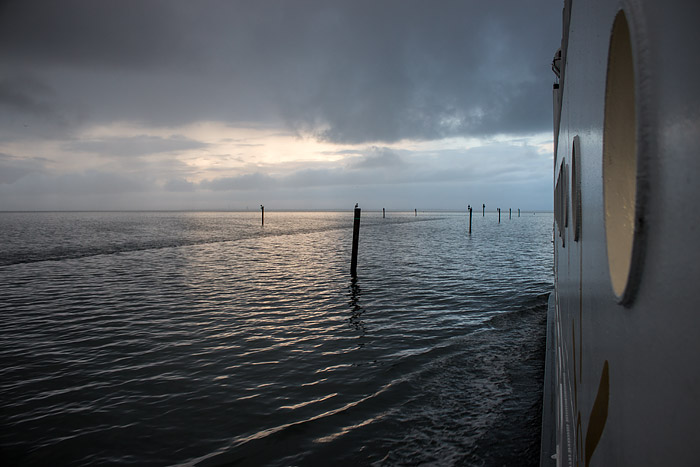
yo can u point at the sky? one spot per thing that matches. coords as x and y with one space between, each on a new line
296 104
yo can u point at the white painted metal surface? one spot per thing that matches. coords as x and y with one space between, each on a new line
628 364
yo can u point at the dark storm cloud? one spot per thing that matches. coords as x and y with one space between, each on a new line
29 108
131 34
25 95
134 145
353 71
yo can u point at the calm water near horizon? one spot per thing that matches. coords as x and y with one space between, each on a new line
161 338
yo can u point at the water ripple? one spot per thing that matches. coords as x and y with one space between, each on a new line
201 338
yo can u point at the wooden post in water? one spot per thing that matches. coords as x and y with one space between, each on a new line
470 219
262 214
355 241
383 213
483 210
518 212
510 213
499 215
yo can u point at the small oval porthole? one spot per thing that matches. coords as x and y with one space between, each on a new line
565 190
561 201
576 188
620 159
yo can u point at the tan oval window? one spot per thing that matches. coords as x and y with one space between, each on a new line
620 156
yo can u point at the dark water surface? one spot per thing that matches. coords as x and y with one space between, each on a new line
184 338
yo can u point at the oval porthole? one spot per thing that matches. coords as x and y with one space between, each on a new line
576 188
561 201
565 190
620 158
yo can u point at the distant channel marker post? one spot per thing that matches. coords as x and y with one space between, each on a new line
470 219
355 241
262 215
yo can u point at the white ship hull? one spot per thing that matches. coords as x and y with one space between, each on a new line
624 381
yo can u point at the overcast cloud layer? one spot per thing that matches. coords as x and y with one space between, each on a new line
296 104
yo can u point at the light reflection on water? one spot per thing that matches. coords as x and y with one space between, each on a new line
158 338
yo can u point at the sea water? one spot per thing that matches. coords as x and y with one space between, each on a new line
159 338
